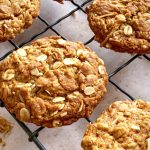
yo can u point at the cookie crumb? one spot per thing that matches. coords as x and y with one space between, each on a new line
5 129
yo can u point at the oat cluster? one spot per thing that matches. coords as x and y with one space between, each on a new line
121 25
52 82
125 125
15 16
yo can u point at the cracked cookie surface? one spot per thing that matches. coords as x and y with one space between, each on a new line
124 125
52 82
15 16
121 25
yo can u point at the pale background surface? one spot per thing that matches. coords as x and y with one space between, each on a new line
134 78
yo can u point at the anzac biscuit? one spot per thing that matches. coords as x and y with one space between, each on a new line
15 16
52 82
125 125
121 25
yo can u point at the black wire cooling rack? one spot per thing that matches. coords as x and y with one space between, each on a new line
33 135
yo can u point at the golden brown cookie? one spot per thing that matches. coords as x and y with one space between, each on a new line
15 16
121 25
52 82
125 125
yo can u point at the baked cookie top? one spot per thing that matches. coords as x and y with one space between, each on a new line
125 125
15 16
121 25
52 82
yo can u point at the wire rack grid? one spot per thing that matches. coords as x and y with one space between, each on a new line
33 136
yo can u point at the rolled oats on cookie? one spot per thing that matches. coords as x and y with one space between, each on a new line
15 16
52 82
121 25
125 125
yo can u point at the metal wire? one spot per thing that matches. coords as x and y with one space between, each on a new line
33 135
